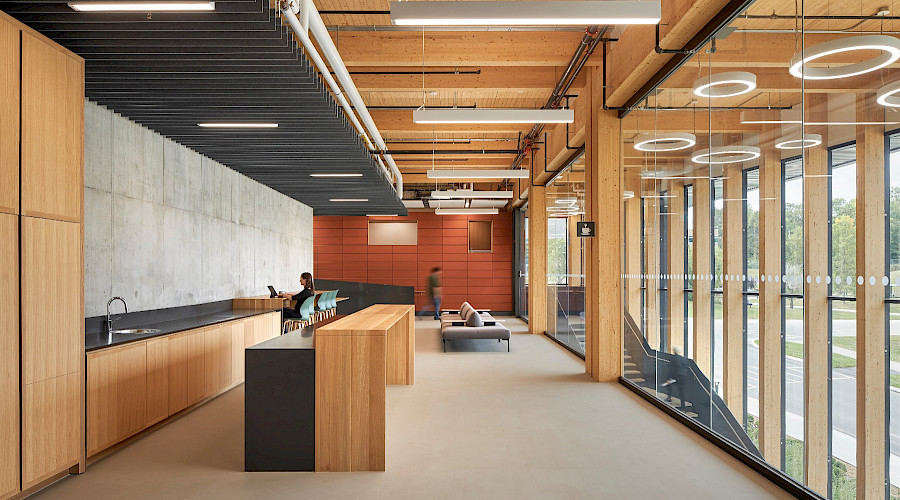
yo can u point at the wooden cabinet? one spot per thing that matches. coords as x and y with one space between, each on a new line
9 119
237 351
197 387
116 395
177 372
157 380
52 130
218 358
52 347
9 354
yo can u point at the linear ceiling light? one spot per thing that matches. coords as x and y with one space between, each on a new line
519 13
335 175
238 125
887 45
670 141
730 83
791 142
478 174
887 95
470 115
141 6
824 124
468 193
349 200
382 215
725 154
466 211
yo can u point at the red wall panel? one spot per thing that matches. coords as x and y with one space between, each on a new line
484 279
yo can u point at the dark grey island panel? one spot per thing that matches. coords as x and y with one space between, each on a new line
280 404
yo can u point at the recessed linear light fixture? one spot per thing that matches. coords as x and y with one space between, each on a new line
142 6
887 45
665 141
382 215
478 174
335 175
728 84
469 193
466 211
349 200
238 125
469 115
519 13
751 121
791 142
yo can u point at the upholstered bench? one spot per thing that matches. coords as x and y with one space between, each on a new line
470 323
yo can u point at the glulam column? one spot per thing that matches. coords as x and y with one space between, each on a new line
702 284
537 260
632 209
733 344
871 392
770 331
651 266
675 250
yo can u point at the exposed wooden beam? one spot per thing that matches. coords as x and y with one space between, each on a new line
457 48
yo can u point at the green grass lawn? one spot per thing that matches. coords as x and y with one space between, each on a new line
795 350
850 343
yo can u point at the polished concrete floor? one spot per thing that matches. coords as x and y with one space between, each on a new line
478 423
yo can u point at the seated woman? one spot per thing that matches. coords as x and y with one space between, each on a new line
309 289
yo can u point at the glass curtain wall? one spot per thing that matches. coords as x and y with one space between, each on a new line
757 178
565 257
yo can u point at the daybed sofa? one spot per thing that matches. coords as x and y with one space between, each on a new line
470 323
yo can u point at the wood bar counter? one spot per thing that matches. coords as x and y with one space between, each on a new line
356 356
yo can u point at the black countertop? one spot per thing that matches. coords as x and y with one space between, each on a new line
95 341
298 339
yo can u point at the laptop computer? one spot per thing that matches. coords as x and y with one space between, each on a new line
272 292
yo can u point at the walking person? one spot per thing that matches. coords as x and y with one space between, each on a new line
434 290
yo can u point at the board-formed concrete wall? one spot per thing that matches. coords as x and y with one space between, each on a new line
166 226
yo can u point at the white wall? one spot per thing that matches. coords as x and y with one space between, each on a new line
166 226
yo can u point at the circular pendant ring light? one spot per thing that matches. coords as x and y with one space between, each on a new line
725 154
726 84
888 95
667 141
888 45
808 141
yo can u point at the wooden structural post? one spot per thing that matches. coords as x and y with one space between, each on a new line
871 379
770 332
676 267
816 362
651 266
603 252
733 343
632 209
537 260
702 282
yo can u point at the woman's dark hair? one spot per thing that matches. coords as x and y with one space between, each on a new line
435 269
309 281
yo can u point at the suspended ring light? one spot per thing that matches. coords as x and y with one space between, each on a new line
887 95
670 141
730 83
726 154
888 45
808 141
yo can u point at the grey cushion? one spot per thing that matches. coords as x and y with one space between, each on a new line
464 310
474 320
481 332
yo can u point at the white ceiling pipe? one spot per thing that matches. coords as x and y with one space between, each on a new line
289 10
320 32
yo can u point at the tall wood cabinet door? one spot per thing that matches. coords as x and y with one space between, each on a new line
196 366
101 394
9 120
157 380
52 427
218 358
52 130
131 377
9 354
52 299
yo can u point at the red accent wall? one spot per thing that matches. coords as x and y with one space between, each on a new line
342 253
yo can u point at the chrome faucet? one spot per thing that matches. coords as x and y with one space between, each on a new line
109 321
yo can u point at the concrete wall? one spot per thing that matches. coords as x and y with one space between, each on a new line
166 226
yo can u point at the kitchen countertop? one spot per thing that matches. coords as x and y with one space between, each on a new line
95 341
297 339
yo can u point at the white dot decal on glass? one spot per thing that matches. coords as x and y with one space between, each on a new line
808 278
784 278
885 281
871 280
849 280
818 279
762 277
743 277
827 280
777 278
769 277
860 280
837 280
727 276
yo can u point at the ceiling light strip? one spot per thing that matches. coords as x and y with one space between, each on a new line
335 175
521 13
468 115
478 174
142 6
468 193
238 125
466 211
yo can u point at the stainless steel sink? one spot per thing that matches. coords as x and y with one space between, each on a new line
136 331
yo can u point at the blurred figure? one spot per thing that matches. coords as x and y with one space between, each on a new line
434 290
677 377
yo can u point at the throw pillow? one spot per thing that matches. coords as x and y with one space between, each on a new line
474 319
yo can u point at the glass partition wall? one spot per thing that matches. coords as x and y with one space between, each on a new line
565 256
761 231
